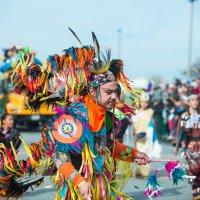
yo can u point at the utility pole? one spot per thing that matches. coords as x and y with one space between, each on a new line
119 42
190 38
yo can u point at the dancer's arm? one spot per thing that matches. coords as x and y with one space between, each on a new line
126 153
66 168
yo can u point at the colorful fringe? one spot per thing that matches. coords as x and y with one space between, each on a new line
174 170
64 79
105 186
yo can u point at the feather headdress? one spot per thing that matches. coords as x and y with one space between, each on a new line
65 79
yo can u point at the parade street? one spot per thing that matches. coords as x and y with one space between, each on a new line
114 88
134 188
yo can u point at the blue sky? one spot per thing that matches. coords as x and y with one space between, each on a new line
154 33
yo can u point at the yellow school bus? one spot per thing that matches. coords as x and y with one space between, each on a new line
15 104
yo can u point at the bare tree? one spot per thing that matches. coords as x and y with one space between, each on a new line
157 80
195 69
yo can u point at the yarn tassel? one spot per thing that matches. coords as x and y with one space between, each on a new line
153 188
175 171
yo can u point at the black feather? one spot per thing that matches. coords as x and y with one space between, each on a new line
116 67
16 189
74 34
96 46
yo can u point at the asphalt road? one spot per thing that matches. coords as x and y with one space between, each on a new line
180 192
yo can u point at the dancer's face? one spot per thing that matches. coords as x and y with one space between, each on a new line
144 105
194 103
8 122
107 96
11 53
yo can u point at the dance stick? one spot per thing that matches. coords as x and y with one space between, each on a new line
190 177
164 160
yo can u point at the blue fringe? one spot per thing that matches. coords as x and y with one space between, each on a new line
177 175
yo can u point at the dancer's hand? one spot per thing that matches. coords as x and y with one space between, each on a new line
176 151
84 188
141 158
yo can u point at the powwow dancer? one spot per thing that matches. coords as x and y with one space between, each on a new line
190 136
82 84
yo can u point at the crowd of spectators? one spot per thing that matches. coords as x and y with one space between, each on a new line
169 102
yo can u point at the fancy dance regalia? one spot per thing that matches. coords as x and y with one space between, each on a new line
190 135
75 146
